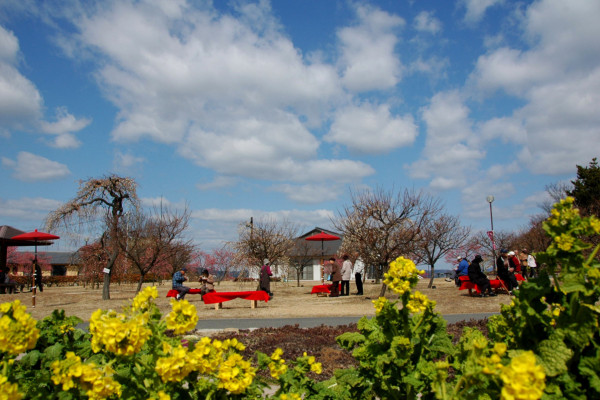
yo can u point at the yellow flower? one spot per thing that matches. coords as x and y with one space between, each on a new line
18 332
9 390
595 224
117 334
141 302
97 383
235 374
379 304
402 275
176 366
564 241
419 302
523 378
183 317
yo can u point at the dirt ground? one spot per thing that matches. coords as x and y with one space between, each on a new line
289 301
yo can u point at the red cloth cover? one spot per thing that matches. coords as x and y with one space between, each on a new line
221 297
173 292
323 288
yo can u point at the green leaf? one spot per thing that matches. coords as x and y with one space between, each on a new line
54 352
554 355
30 359
349 340
589 367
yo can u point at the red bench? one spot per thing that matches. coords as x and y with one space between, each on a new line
173 292
326 289
218 298
496 284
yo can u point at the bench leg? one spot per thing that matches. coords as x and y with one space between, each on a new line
218 306
253 304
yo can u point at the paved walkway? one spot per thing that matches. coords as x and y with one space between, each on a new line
220 324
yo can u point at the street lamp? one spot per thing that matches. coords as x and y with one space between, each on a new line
490 199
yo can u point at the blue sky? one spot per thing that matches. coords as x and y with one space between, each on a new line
278 109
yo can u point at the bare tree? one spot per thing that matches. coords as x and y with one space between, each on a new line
557 192
110 196
440 235
382 226
264 239
502 240
302 256
151 240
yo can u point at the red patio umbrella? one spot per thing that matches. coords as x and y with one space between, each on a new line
35 236
322 237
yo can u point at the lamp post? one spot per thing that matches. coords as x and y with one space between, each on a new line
490 199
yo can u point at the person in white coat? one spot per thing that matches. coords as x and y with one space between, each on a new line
346 275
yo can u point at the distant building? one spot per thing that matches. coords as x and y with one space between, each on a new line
311 254
63 263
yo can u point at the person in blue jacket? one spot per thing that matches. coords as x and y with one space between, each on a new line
178 279
461 270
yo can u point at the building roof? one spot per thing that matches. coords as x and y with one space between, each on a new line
317 248
60 257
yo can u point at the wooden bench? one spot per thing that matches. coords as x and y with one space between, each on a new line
218 298
12 287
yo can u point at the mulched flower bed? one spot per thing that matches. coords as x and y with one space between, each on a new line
319 342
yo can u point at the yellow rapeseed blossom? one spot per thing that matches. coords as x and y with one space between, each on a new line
18 332
141 302
419 302
277 367
564 241
97 383
176 366
161 396
314 366
595 224
9 390
183 317
492 365
290 396
402 275
235 374
523 378
117 334
379 304
206 357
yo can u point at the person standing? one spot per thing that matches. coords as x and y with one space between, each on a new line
178 279
524 265
346 275
38 276
336 277
533 271
265 277
359 269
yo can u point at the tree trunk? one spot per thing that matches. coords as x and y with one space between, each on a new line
298 272
140 282
109 266
431 279
383 289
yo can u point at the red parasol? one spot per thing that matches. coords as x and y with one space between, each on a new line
35 236
322 237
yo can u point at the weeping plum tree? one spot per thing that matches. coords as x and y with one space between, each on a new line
101 201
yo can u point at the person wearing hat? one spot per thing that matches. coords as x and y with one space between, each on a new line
208 282
462 269
506 271
178 279
477 276
265 277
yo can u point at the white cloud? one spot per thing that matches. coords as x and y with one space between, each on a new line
19 99
319 217
218 183
475 9
558 79
310 193
371 128
369 61
30 167
125 162
27 208
426 22
451 149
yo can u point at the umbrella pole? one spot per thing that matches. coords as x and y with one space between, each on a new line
322 264
33 275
